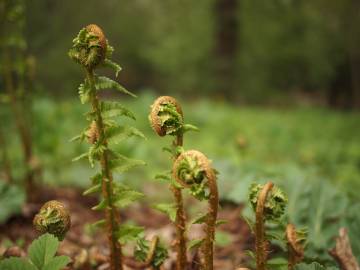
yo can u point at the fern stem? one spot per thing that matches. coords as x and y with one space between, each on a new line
112 218
180 221
208 248
260 241
5 159
21 126
295 249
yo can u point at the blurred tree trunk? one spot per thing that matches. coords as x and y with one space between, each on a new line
353 47
226 45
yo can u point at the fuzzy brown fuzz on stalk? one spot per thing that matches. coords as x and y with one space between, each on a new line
92 133
193 167
295 249
53 218
261 244
155 120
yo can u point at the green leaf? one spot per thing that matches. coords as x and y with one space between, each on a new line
101 206
128 233
83 155
106 83
84 92
14 263
57 263
222 239
221 222
200 219
113 65
43 249
99 224
117 134
188 127
195 243
93 189
142 249
125 196
123 164
113 109
169 209
312 266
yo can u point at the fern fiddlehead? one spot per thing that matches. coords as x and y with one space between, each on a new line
269 203
295 248
166 118
193 170
91 49
53 218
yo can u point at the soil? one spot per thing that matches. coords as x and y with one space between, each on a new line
88 249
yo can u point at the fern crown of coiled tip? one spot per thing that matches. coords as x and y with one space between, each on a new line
166 116
53 218
89 47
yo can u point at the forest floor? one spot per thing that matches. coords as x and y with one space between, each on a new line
88 249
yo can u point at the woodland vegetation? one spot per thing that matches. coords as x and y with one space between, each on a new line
258 168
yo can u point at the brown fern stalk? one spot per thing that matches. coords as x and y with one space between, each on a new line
180 220
111 215
213 201
295 249
261 244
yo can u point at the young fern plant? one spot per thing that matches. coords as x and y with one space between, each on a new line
53 221
166 118
53 218
193 170
295 246
269 204
91 50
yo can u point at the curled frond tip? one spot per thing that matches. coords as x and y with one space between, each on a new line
53 218
166 116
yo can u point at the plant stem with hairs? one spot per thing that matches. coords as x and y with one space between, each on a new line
295 248
166 118
261 244
91 49
191 169
180 221
111 215
269 204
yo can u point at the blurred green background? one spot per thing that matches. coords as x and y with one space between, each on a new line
274 87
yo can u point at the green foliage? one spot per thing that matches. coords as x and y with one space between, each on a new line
169 209
11 200
127 233
190 171
143 248
41 256
275 204
312 266
171 120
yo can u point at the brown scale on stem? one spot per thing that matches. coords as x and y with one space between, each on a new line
92 133
295 249
161 129
193 167
261 244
